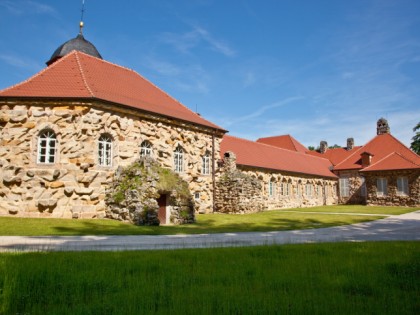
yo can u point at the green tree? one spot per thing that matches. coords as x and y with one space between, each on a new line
415 145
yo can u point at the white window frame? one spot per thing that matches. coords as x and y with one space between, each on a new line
402 186
272 188
205 170
47 147
146 149
179 160
344 187
308 190
285 189
381 187
363 189
105 150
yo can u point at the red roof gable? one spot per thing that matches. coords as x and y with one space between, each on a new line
78 75
335 155
381 146
285 141
393 161
250 153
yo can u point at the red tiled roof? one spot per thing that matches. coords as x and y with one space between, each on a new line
335 155
381 147
393 161
285 141
250 153
78 75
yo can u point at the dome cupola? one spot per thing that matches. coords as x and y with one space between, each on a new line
78 43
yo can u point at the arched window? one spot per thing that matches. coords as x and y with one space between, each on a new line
179 160
105 150
206 164
272 188
47 147
146 148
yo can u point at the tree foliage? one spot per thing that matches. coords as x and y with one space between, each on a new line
415 145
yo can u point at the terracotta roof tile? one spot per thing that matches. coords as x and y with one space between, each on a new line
78 75
336 155
393 161
250 153
285 141
380 147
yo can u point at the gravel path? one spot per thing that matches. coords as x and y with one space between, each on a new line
399 228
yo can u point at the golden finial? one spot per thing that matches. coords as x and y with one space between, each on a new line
81 18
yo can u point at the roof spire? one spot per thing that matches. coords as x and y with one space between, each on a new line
81 18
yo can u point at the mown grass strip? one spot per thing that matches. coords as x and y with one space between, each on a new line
357 209
208 223
341 278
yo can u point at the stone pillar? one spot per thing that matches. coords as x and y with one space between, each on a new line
323 146
229 160
382 127
350 144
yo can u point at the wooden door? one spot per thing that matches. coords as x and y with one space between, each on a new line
162 209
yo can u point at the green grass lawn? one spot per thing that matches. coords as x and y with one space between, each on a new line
341 278
278 220
357 209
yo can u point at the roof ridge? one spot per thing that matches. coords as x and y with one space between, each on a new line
407 159
144 78
277 148
79 64
38 74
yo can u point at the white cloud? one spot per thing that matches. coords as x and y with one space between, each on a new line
260 111
187 41
21 63
27 7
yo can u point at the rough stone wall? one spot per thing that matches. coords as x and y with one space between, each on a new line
133 194
75 185
392 198
355 188
242 189
323 190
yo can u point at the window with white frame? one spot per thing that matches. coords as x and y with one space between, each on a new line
145 148
363 191
105 150
318 191
381 187
205 170
308 190
402 186
285 187
272 188
47 147
298 190
344 187
179 159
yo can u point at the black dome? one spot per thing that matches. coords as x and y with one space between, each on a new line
79 43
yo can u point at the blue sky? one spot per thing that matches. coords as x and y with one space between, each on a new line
315 69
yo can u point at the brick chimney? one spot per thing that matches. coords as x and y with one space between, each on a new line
382 127
350 144
323 146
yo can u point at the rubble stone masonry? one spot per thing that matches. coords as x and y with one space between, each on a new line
74 186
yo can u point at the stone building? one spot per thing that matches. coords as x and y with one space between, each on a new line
66 130
257 176
381 172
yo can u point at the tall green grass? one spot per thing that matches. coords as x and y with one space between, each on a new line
342 278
